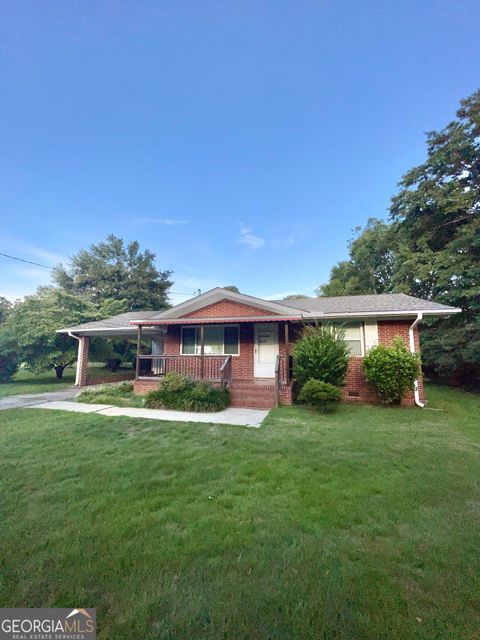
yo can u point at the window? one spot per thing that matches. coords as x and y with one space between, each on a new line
353 337
219 340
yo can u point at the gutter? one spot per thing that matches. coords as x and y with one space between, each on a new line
77 368
411 335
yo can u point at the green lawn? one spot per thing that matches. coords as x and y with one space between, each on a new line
360 525
25 381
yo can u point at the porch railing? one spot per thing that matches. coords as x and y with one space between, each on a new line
213 368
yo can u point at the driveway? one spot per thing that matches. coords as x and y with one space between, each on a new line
30 399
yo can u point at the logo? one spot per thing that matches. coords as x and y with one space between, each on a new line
48 624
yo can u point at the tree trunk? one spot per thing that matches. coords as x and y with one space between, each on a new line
59 371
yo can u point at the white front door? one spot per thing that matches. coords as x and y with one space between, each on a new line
265 349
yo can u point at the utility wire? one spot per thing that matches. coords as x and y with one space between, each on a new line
5 255
44 266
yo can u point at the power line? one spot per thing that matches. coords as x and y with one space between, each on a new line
37 264
44 266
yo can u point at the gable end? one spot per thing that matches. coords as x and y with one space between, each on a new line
227 309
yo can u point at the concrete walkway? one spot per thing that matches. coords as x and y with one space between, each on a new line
29 399
232 416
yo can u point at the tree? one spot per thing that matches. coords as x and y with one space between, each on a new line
372 262
431 249
232 287
321 353
113 270
437 211
295 296
29 333
5 308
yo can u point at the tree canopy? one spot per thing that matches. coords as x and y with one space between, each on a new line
431 246
371 265
114 270
30 329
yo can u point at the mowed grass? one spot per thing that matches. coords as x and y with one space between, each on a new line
119 395
25 381
360 525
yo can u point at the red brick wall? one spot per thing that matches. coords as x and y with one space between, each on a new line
83 360
388 330
242 365
356 388
227 309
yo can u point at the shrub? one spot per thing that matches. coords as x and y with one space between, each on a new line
321 395
184 394
321 353
391 371
8 367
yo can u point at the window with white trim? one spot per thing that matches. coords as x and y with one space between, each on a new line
219 340
353 336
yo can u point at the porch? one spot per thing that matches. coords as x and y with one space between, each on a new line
236 371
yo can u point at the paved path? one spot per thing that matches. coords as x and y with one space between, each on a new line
233 416
30 399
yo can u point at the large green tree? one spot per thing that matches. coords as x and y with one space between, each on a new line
115 270
431 248
29 332
438 213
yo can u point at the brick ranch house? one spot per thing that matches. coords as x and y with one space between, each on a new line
243 342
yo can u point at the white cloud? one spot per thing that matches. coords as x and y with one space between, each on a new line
249 238
170 222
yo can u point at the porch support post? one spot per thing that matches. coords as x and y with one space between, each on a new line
139 350
82 361
287 352
202 350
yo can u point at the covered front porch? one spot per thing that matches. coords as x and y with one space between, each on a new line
252 359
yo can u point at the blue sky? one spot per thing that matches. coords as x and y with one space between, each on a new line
240 141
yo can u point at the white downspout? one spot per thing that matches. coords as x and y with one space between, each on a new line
411 335
79 355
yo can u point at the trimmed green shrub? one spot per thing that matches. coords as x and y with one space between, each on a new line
8 367
321 353
178 392
322 396
391 371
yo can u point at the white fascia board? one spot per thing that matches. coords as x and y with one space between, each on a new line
381 314
130 329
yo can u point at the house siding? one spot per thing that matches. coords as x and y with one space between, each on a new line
355 389
228 309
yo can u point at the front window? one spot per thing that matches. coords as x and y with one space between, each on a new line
353 337
219 340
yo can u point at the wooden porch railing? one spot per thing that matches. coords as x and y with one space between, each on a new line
214 368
